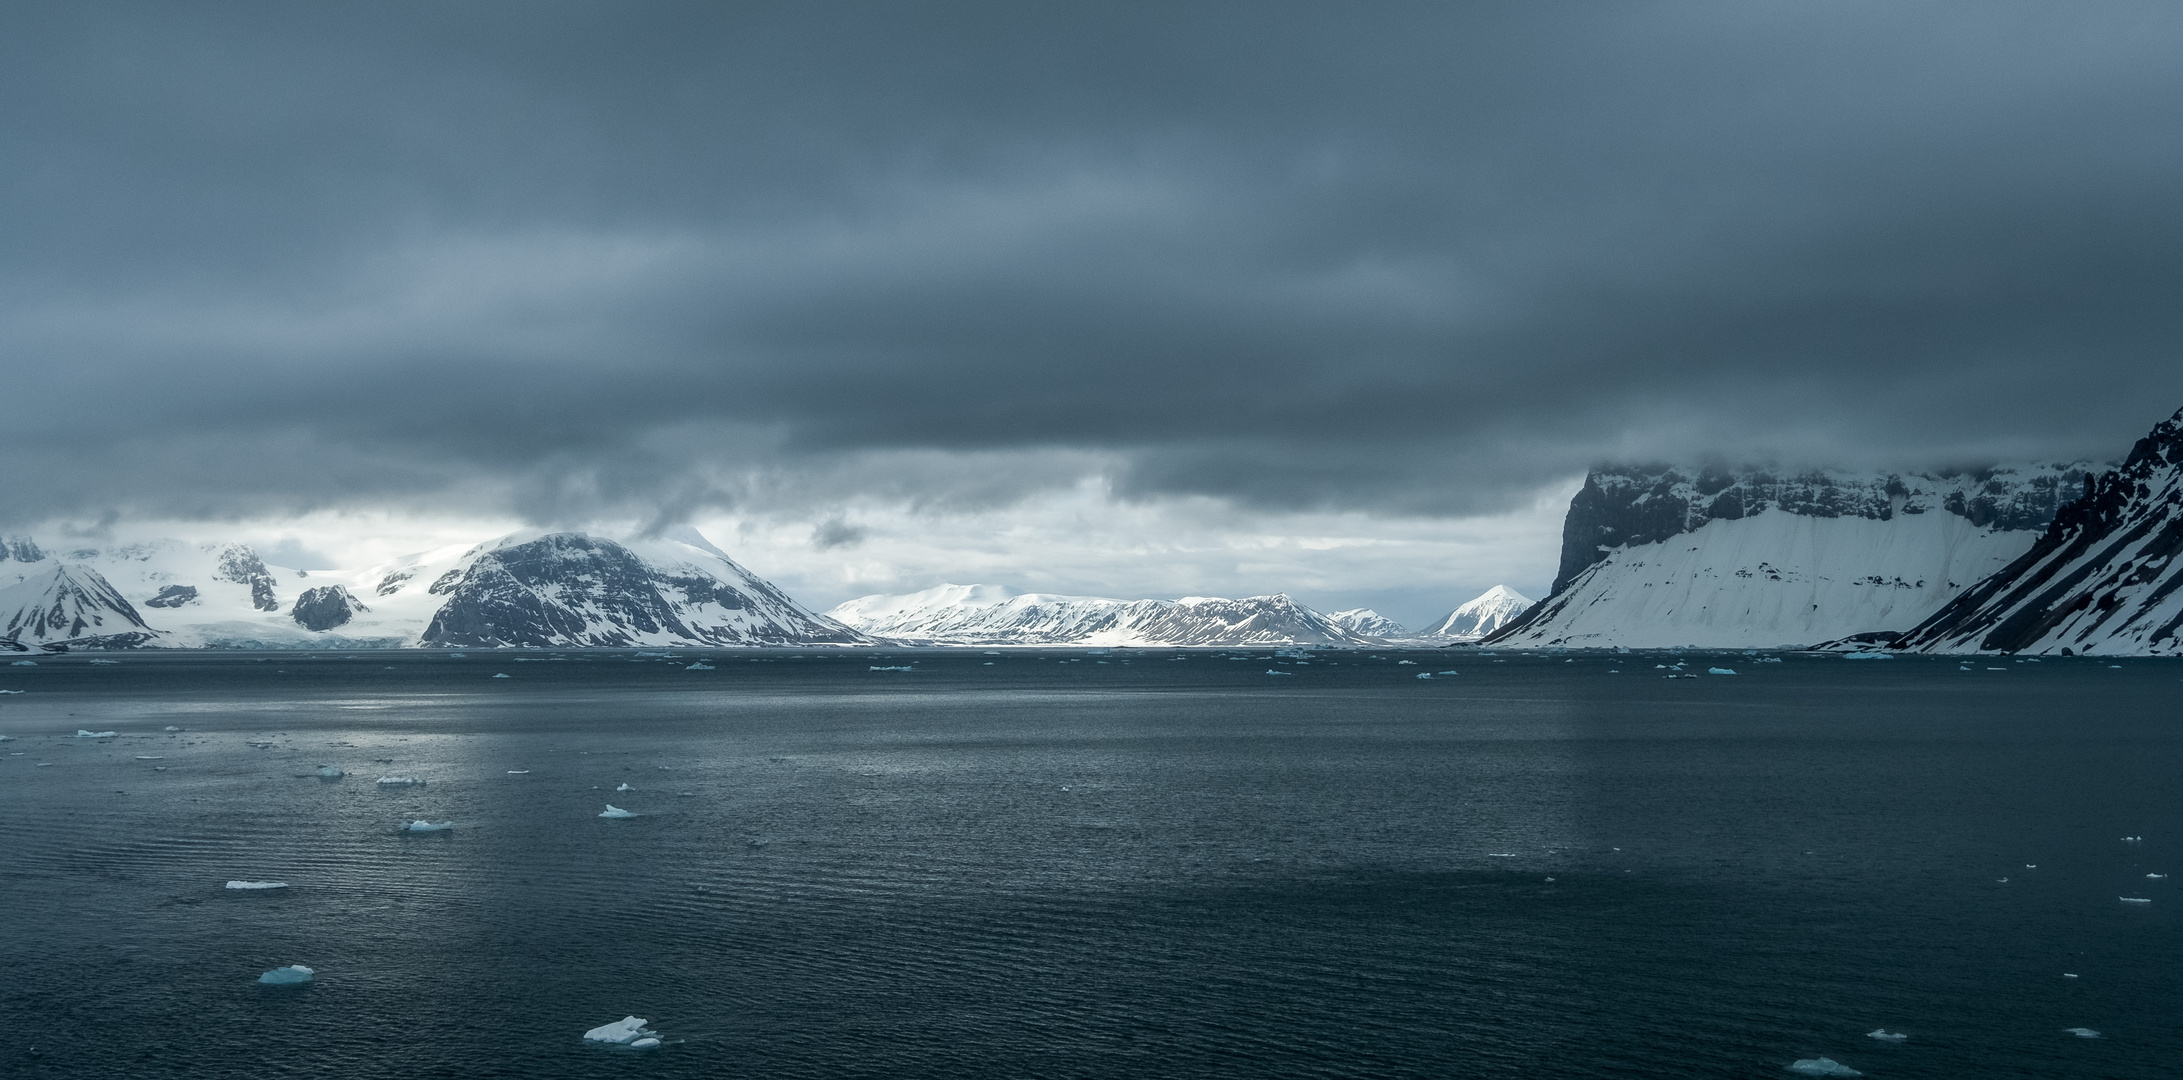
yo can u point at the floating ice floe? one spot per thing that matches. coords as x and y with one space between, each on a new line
701 666
10 691
292 975
257 884
2135 899
1822 1067
1884 1035
106 661
625 787
501 675
615 811
1447 673
627 1031
2157 877
2133 839
82 733
1720 671
904 667
421 825
151 757
2083 1033
519 772
1271 671
2069 974
1424 674
399 781
23 663
170 727
330 772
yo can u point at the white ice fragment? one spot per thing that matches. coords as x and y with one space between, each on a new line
2083 1033
292 975
170 727
615 811
1271 671
624 1031
1447 673
2157 877
1884 1035
421 825
398 781
904 667
625 787
519 772
82 733
2069 975
1720 671
1424 674
1822 1067
330 772
106 661
257 884
501 675
2135 899
151 757
23 663
701 666
11 691
645 1043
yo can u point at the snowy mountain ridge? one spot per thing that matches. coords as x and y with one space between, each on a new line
1482 615
996 615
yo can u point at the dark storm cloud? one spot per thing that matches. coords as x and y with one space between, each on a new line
583 257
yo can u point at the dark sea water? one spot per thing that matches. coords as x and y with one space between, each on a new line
1076 865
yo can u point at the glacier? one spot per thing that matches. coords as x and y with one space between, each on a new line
995 615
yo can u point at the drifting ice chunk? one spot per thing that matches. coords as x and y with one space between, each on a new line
23 663
1720 671
83 734
2135 899
501 675
645 1043
399 781
2083 1033
519 772
151 757
1424 674
1271 671
292 975
170 727
1822 1067
625 787
330 772
700 666
106 661
257 884
1884 1035
615 811
624 1031
904 667
2158 877
421 825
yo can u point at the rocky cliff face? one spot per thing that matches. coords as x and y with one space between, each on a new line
992 615
2103 577
242 566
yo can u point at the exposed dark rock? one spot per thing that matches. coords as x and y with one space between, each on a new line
447 582
242 566
75 605
20 549
173 596
392 583
2100 576
325 607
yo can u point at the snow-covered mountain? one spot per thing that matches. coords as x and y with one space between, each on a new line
69 605
1366 622
994 615
530 588
1481 615
1753 559
2104 579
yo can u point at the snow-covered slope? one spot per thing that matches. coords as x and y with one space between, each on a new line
994 615
1481 615
527 588
1656 558
1366 622
572 589
2104 578
69 604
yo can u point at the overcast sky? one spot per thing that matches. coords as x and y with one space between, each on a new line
1338 298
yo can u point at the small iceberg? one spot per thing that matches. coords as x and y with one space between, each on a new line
330 772
170 727
399 781
627 1031
2157 877
701 666
904 667
1720 671
1884 1035
1822 1067
2083 1033
23 663
625 787
106 661
83 734
2135 899
257 884
1447 673
2126 839
292 975
1271 671
615 811
421 825
151 757
519 772
501 675
1424 674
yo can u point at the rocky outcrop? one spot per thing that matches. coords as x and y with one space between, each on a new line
242 566
173 596
325 607
19 549
2103 578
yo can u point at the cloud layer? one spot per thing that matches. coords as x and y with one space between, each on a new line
560 261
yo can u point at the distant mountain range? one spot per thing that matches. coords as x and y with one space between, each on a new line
532 588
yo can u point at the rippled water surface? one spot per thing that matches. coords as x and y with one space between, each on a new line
1067 864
